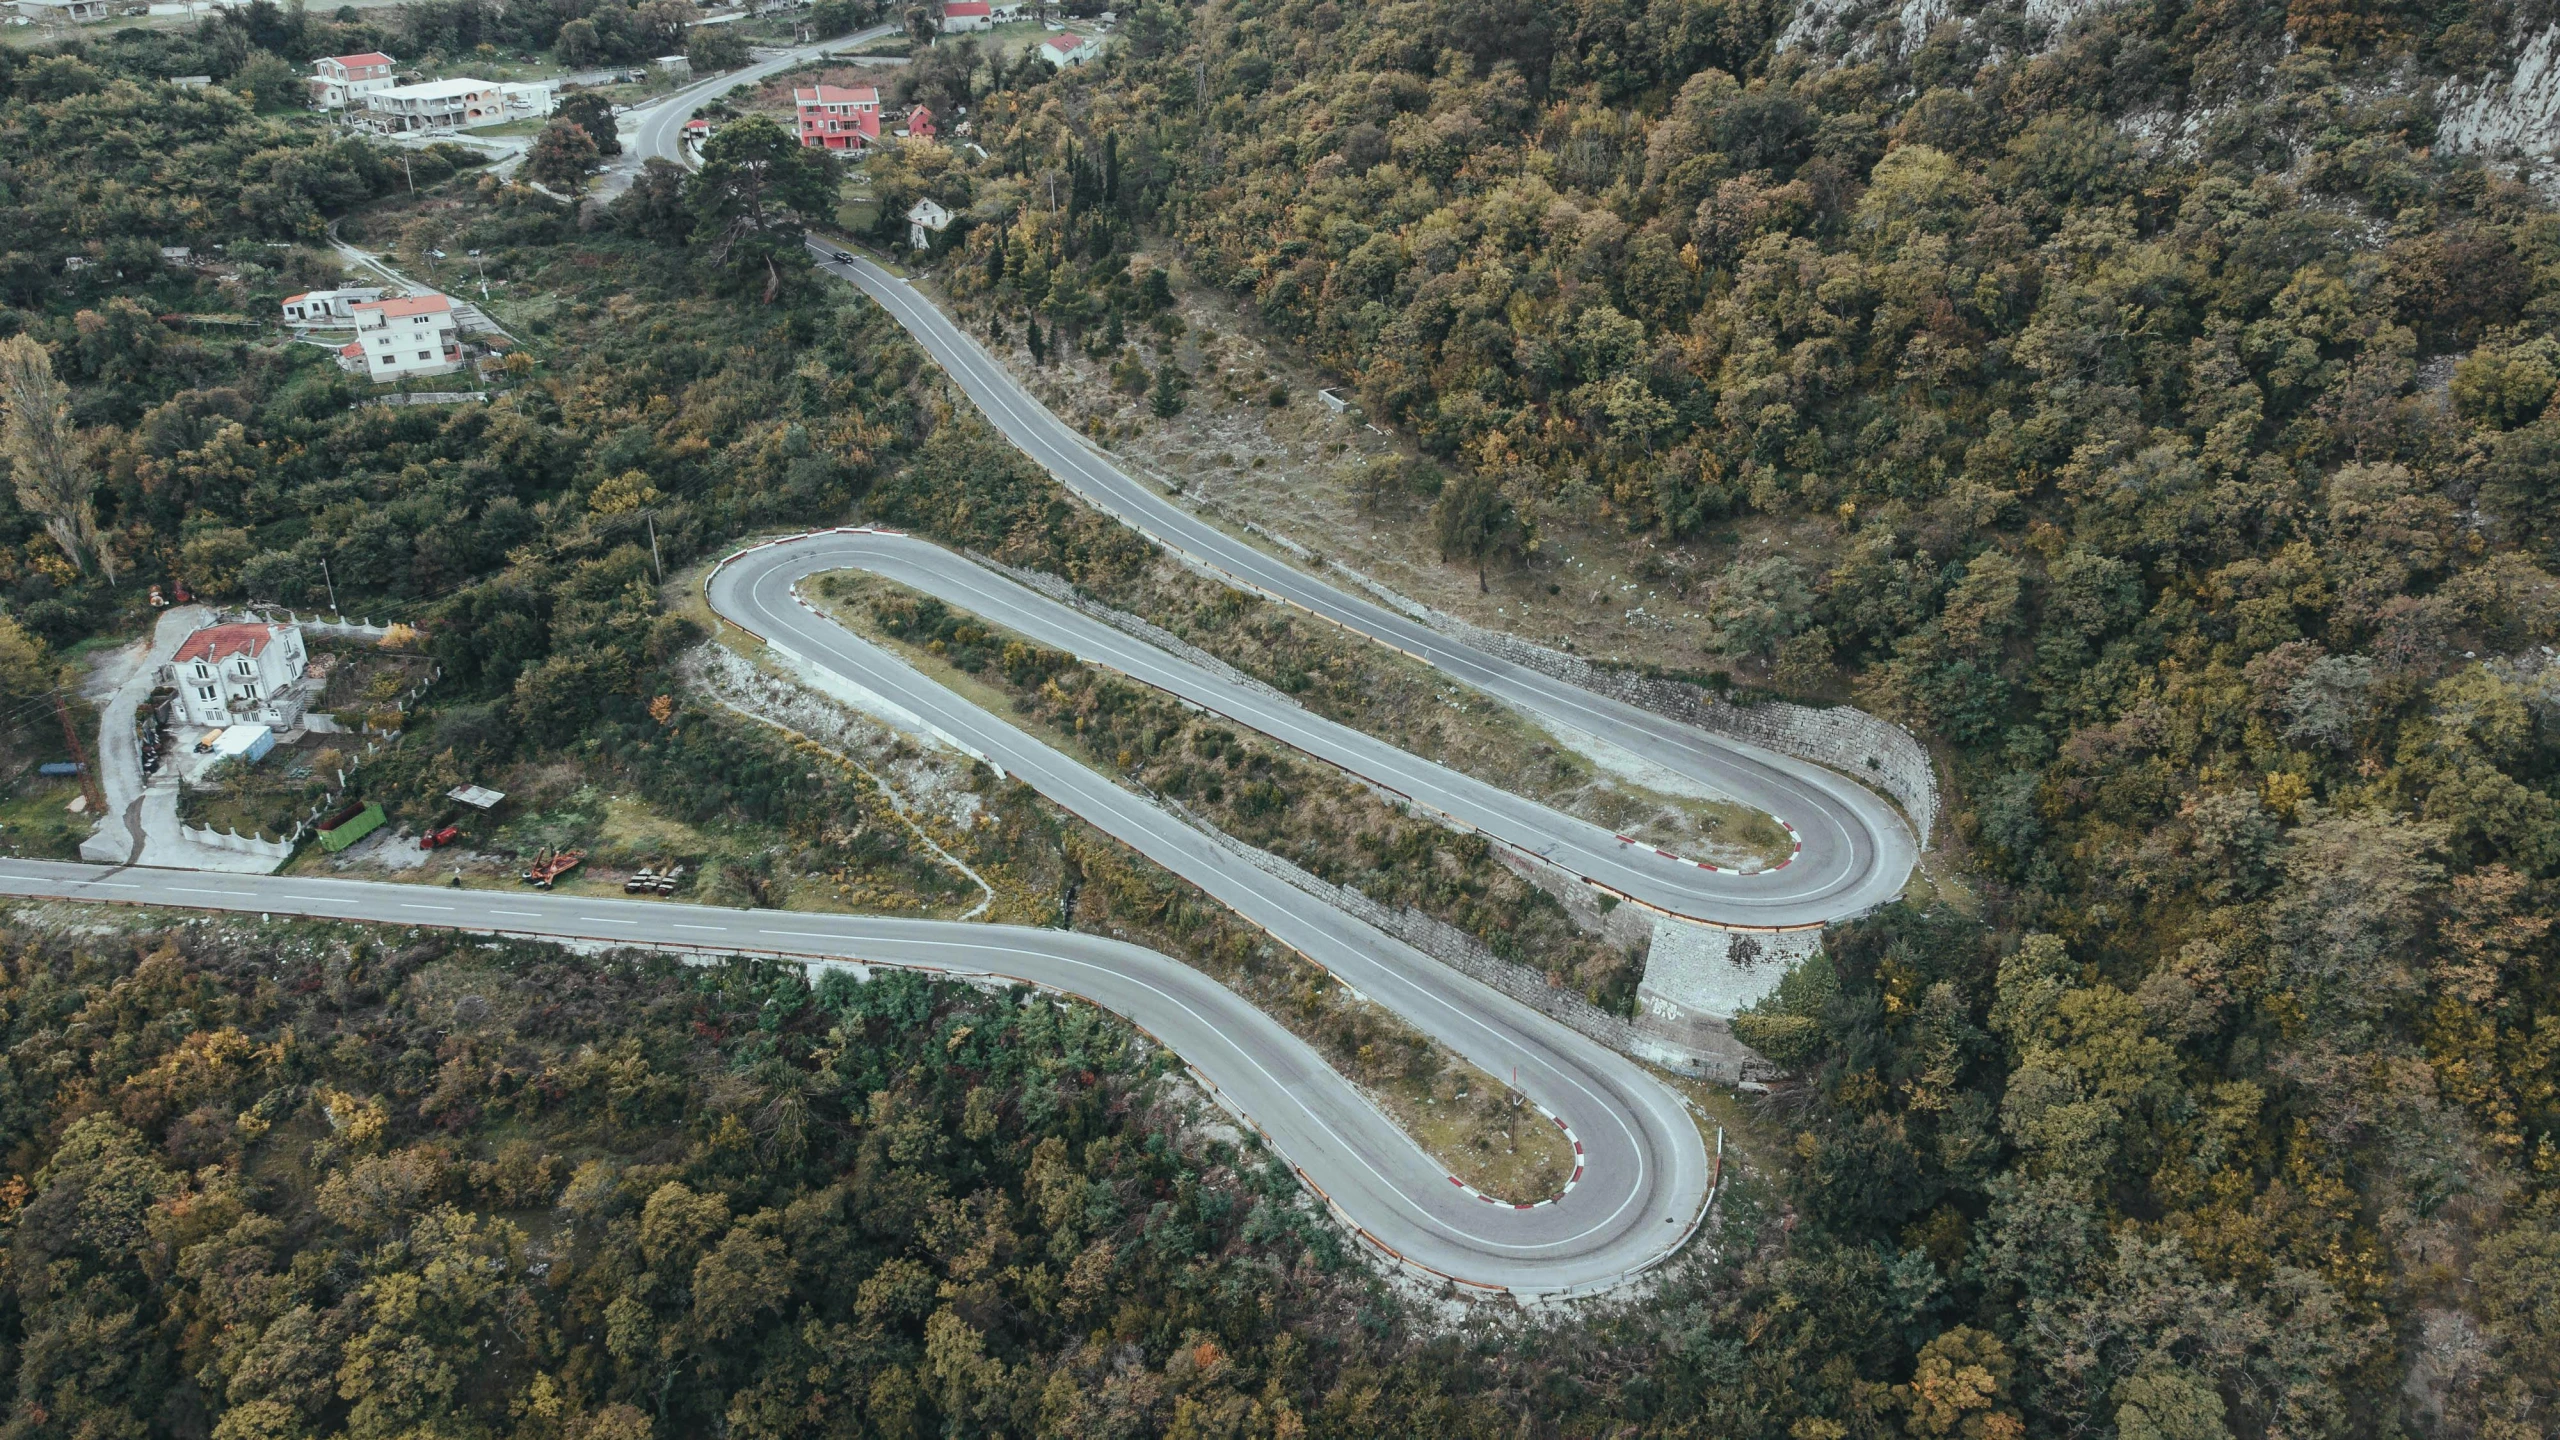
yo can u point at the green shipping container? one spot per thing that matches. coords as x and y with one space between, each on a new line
352 829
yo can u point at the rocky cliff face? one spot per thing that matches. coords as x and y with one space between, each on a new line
2510 116
1857 26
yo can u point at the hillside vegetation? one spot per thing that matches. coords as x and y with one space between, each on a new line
2157 419
2168 426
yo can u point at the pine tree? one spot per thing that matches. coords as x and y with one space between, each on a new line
1039 346
1166 398
1112 333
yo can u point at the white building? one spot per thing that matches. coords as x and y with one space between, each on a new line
457 104
338 81
328 307
65 11
245 673
1065 50
413 335
959 16
925 219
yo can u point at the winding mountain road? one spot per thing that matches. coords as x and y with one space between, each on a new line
756 590
1856 850
1642 1180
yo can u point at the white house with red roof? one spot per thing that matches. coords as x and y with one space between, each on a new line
962 15
338 81
327 307
412 335
838 117
243 673
1067 49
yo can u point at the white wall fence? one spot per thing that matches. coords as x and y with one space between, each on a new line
233 840
336 627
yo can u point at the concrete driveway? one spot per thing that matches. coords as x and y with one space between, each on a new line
119 684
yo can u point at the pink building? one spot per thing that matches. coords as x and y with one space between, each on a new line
838 117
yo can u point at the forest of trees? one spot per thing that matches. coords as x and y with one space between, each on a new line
296 1182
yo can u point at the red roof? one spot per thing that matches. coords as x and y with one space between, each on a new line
968 8
305 295
1066 44
352 350
221 642
359 62
408 305
837 95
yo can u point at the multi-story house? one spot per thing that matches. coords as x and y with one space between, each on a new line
413 335
838 117
244 673
338 81
456 104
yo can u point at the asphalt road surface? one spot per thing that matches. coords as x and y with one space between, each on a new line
756 591
1645 1171
1856 850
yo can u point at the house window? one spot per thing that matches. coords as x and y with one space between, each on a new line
203 669
422 354
204 692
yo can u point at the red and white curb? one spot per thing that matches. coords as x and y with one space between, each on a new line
1570 1181
1796 848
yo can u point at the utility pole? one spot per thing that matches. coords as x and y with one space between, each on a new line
407 174
332 584
654 567
80 757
